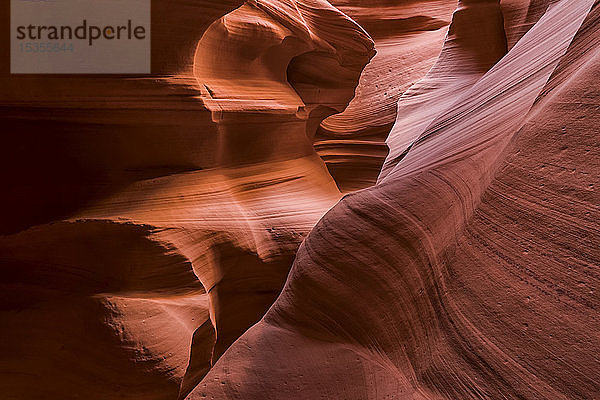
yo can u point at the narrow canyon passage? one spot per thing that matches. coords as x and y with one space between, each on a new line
310 199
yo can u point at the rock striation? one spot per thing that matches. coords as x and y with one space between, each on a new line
470 269
189 194
408 37
278 212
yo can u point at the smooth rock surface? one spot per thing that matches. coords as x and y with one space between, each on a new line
351 199
471 269
153 219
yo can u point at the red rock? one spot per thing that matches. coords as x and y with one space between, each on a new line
470 270
189 192
151 222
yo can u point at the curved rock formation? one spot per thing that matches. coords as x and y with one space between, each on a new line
151 221
82 135
471 270
408 38
201 189
469 52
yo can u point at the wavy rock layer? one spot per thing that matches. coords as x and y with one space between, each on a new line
189 193
471 270
408 37
83 135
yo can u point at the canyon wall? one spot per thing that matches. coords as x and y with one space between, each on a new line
470 270
308 199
